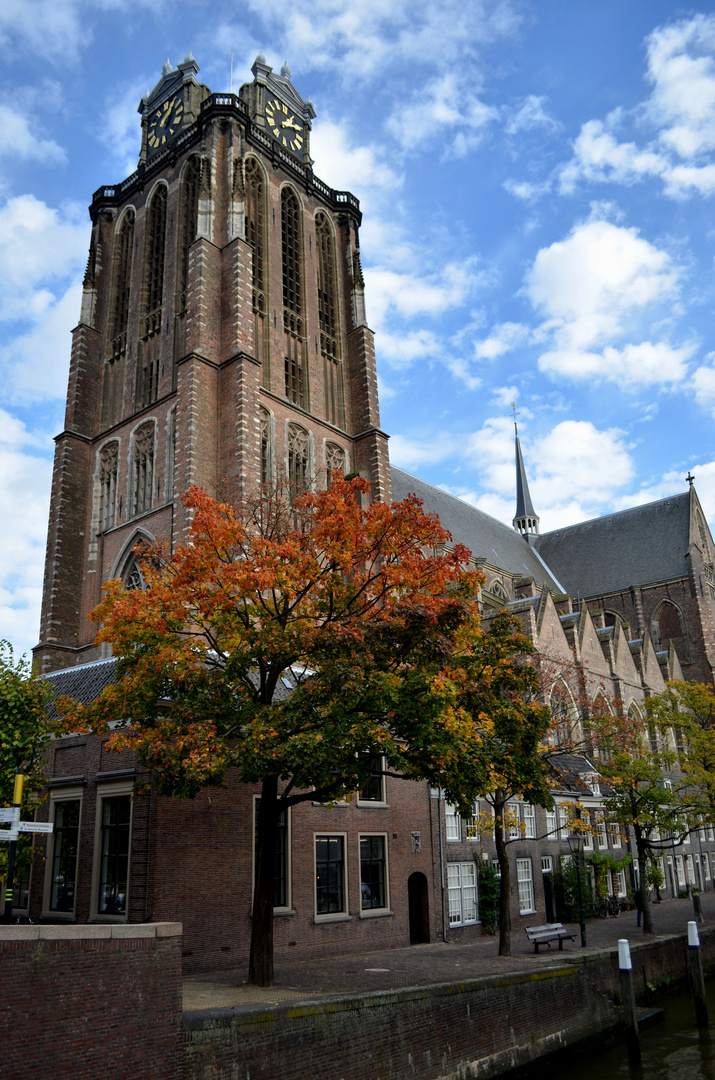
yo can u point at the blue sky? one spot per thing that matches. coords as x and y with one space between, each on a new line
538 184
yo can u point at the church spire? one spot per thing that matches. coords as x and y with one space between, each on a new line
526 520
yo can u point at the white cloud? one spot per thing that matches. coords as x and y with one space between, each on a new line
502 339
446 103
409 294
42 254
120 129
55 30
402 349
408 453
527 191
531 115
596 289
361 37
18 140
680 113
24 501
338 162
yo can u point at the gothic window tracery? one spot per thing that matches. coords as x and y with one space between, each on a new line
143 468
564 715
298 456
291 254
668 625
266 446
189 218
148 367
328 321
334 461
108 466
114 364
255 220
133 578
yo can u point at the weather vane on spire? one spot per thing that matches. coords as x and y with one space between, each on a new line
514 414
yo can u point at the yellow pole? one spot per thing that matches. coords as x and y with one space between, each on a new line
17 793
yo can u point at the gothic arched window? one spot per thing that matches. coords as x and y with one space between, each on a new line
189 218
255 219
266 446
334 461
133 578
108 465
669 625
298 454
328 320
143 470
119 313
563 715
148 367
295 383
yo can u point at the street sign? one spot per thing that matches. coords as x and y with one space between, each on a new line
11 814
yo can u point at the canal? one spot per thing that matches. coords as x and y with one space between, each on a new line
674 1050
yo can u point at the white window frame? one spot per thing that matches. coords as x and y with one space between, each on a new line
109 790
564 830
58 795
552 824
452 824
372 913
514 830
680 871
331 916
690 869
706 866
379 804
615 830
462 880
621 887
601 832
587 836
525 885
287 908
711 833
547 864
529 817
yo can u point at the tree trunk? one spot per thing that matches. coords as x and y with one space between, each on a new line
642 849
504 881
260 967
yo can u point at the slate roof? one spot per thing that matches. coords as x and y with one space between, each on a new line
84 683
485 537
644 544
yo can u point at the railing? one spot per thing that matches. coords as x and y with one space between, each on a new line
256 135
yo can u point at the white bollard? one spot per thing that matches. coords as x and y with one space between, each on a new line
629 1002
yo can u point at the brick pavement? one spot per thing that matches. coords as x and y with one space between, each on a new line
418 965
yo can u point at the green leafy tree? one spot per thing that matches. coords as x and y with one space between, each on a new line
683 717
496 690
24 733
647 794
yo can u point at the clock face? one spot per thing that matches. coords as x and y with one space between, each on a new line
164 122
285 126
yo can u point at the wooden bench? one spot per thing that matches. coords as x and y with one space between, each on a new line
544 935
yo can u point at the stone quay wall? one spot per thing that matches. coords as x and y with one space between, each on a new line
91 1001
477 1028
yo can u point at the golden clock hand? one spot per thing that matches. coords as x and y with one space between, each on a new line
289 124
167 110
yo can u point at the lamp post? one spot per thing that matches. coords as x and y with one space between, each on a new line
576 845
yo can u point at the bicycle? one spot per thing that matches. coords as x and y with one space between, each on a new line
608 907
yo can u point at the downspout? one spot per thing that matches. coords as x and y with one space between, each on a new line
445 934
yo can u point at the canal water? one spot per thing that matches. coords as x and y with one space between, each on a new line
675 1050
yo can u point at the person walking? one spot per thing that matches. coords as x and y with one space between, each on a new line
638 897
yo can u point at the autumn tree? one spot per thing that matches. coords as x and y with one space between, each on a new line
357 612
497 690
646 794
24 733
683 717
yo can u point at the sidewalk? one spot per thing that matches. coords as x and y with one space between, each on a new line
417 965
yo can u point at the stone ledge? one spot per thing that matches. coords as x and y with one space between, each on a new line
119 931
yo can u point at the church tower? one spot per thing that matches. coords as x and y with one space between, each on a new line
222 339
526 520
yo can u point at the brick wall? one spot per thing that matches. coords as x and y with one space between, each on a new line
481 1027
91 1001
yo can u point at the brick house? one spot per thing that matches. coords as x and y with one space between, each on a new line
222 341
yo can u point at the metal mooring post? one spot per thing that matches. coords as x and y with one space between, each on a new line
629 1002
697 907
696 975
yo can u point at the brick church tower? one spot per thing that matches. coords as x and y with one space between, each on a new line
222 339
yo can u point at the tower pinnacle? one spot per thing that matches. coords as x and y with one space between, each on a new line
526 520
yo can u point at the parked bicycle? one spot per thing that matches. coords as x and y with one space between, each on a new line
608 907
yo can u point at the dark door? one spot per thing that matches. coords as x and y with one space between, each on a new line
418 903
549 898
